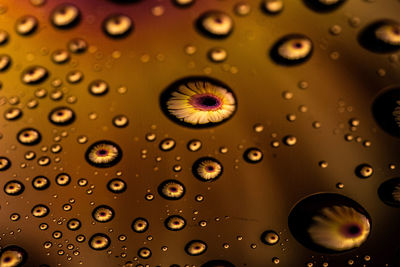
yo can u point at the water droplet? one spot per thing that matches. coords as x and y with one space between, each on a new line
183 103
60 56
207 169
324 5
272 7
175 223
40 182
5 62
292 49
77 45
167 144
29 137
26 25
103 154
40 211
116 186
144 253
14 188
389 192
13 256
183 3
103 213
63 179
5 163
117 26
62 116
215 24
270 237
171 190
34 75
74 224
120 121
217 54
290 140
140 225
98 87
364 171
12 114
350 223
195 247
242 9
65 16
253 155
382 36
99 241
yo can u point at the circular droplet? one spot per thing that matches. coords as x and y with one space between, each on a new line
15 217
207 169
167 144
26 25
60 56
13 114
120 121
242 9
77 45
74 76
99 241
386 111
290 140
117 26
364 171
103 214
98 88
194 145
62 116
183 3
5 62
63 179
198 102
74 224
103 154
65 16
4 36
140 225
382 36
389 192
272 7
144 253
34 75
29 137
292 49
324 5
57 234
5 163
175 223
40 211
40 183
270 237
80 238
14 188
13 256
196 247
171 190
215 24
217 55
329 223
116 186
253 155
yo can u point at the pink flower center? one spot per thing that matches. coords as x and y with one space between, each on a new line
205 102
351 230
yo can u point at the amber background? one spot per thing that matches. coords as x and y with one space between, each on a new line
255 197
